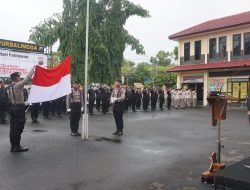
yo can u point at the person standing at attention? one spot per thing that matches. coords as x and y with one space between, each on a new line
74 102
117 98
17 110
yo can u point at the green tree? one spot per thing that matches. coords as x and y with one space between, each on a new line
175 53
162 58
107 39
135 73
164 78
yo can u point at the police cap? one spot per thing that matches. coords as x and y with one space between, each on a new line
14 75
119 80
76 82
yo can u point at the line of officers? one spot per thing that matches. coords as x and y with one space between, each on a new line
99 97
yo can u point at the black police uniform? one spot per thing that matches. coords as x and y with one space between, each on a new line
74 101
35 107
145 99
17 111
161 99
118 109
3 104
91 99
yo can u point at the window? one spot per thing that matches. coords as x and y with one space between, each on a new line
247 43
236 44
187 51
222 47
197 50
212 48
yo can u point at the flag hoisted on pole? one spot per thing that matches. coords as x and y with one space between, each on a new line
50 84
85 116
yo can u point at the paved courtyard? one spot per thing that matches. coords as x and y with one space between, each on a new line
161 150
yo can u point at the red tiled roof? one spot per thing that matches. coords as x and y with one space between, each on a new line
216 24
211 66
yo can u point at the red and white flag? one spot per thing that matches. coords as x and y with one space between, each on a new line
50 84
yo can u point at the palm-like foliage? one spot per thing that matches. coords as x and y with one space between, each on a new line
107 36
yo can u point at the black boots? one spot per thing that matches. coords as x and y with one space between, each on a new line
118 133
18 149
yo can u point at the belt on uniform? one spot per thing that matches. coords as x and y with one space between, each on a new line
116 102
75 103
17 105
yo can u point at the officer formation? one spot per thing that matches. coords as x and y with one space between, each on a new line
102 98
99 100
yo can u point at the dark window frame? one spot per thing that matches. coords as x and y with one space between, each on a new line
187 51
236 51
247 49
212 48
222 46
197 50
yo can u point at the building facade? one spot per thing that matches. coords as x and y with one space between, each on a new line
215 56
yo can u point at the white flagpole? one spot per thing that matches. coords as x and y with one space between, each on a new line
85 116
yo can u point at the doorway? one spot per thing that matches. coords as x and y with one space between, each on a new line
199 89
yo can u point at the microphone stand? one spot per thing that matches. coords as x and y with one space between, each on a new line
223 107
219 133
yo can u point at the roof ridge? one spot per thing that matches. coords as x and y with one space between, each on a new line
215 24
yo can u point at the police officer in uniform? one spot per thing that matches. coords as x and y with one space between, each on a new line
91 99
17 110
161 99
3 102
98 98
169 98
74 102
34 111
145 99
117 98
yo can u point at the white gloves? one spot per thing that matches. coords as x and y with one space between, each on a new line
26 103
81 109
113 99
68 110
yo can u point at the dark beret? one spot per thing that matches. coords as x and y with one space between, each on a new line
118 80
14 75
76 82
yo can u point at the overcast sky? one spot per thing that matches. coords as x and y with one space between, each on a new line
167 17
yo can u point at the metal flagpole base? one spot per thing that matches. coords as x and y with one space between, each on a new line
85 129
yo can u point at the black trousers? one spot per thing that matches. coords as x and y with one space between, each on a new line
133 104
75 116
53 107
35 107
118 114
3 110
59 106
168 103
17 122
98 103
145 104
46 108
105 105
161 101
153 104
91 106
138 103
